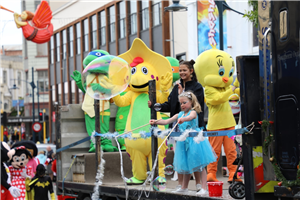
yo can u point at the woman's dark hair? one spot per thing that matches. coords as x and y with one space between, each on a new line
190 65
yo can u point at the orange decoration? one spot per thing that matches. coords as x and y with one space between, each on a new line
36 27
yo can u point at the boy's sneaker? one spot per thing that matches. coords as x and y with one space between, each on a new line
202 192
198 187
181 190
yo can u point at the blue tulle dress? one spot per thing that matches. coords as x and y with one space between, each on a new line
191 156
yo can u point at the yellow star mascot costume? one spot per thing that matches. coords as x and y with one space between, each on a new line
145 66
214 69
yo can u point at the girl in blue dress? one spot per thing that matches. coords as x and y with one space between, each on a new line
190 156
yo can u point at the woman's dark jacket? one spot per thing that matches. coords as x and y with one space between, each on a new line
173 105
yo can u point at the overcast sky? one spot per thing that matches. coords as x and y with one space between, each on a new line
9 33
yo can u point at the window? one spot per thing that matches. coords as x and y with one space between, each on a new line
86 34
36 3
19 78
41 49
78 35
112 23
51 50
57 47
64 33
94 31
70 41
156 12
122 20
43 81
133 23
102 29
4 77
145 14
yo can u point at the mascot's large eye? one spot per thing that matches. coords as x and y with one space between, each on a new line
173 69
23 157
133 70
231 72
17 160
145 70
221 71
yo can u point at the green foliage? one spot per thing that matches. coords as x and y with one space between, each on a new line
277 170
268 139
252 15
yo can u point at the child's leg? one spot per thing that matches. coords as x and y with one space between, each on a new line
180 179
203 178
197 177
185 182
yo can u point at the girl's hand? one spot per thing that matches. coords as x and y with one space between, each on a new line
149 104
180 120
180 89
152 121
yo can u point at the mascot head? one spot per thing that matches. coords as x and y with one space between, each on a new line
145 65
29 145
214 68
175 67
92 56
6 152
20 158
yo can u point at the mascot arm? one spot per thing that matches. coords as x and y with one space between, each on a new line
77 78
162 96
51 189
4 182
166 106
122 101
215 97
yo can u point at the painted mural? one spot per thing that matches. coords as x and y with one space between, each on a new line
208 25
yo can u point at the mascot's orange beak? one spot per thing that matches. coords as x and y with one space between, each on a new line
225 79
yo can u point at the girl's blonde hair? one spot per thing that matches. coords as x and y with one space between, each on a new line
195 104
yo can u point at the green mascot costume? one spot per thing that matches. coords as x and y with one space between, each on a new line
88 107
121 119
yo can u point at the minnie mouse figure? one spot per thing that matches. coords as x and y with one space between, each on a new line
8 192
19 171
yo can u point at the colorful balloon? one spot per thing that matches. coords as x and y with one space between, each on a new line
106 77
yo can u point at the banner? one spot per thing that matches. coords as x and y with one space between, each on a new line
208 25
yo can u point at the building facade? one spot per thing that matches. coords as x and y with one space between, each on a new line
11 74
35 59
81 26
111 26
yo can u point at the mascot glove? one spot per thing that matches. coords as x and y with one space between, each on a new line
23 173
14 191
107 84
76 76
236 83
166 82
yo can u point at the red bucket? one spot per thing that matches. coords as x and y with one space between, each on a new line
61 197
215 189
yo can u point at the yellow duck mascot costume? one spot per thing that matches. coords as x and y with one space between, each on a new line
214 69
145 65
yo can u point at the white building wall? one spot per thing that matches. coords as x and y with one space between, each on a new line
239 30
32 60
73 10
